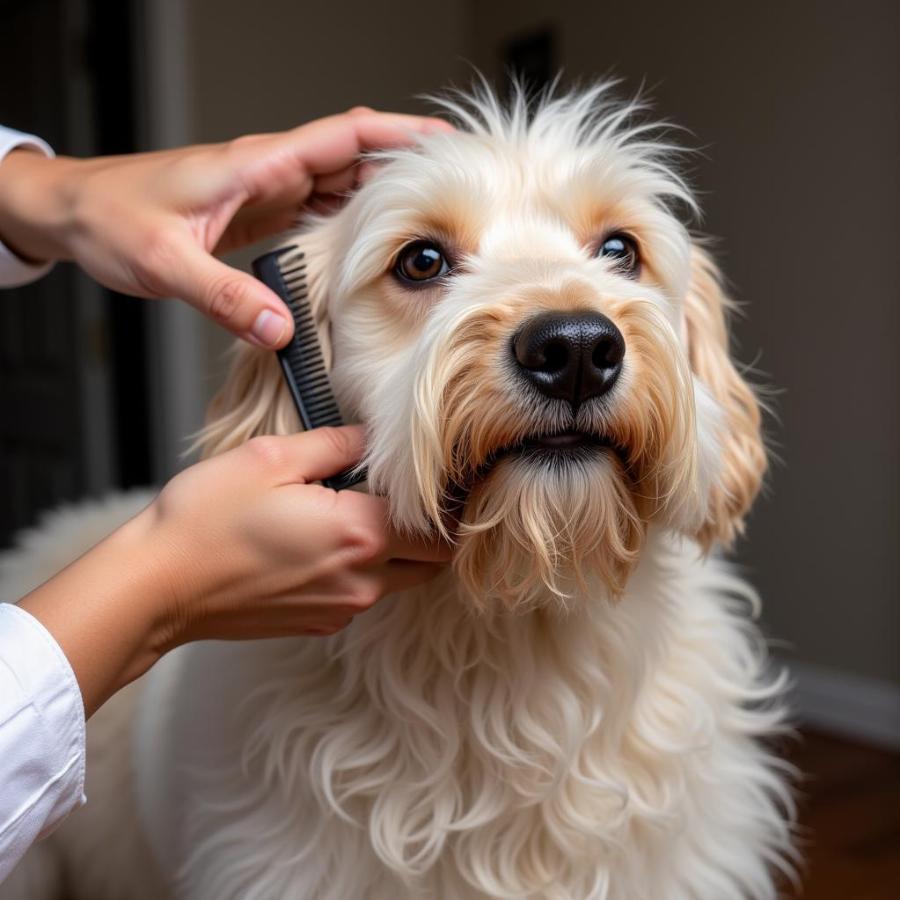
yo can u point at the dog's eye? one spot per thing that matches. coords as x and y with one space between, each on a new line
622 249
421 261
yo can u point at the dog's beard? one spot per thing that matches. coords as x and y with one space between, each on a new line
547 529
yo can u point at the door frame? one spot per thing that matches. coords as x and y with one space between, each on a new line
176 348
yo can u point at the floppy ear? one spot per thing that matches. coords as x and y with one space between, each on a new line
255 399
742 451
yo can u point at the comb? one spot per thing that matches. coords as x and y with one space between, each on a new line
284 271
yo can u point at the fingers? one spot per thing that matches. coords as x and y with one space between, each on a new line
365 534
233 299
368 520
320 608
366 530
312 455
349 591
276 171
339 182
334 143
296 161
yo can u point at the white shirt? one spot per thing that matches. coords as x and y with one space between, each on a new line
14 271
41 735
42 749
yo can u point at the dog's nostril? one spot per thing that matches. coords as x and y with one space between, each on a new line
570 356
538 351
608 352
556 356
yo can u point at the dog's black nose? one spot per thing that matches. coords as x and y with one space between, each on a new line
570 356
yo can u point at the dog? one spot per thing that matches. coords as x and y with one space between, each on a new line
580 708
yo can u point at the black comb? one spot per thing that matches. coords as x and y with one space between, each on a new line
284 271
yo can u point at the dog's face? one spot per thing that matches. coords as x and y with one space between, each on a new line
538 351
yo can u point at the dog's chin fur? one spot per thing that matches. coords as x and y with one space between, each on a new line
574 711
548 532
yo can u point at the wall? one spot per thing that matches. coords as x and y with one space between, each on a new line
794 107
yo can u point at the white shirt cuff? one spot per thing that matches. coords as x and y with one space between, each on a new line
13 270
42 735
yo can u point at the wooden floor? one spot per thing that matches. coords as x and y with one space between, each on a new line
850 820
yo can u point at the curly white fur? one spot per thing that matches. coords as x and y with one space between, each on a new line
608 754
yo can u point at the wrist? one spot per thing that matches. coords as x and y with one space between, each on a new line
167 571
107 610
36 203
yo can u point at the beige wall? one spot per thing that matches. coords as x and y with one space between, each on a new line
795 107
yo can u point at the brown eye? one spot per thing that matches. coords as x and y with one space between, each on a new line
421 261
622 250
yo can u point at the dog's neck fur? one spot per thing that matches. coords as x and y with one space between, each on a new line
444 735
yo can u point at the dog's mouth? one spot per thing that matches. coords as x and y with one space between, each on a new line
557 447
544 449
560 443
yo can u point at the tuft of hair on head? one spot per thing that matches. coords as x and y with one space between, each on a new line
580 117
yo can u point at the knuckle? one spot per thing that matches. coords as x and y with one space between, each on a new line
336 438
244 142
364 542
238 143
365 596
357 111
225 298
266 451
158 257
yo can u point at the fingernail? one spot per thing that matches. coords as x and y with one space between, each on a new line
268 328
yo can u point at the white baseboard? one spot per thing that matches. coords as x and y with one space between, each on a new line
854 706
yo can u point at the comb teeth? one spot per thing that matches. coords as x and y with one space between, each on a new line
284 271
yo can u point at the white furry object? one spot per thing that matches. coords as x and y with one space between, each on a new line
577 710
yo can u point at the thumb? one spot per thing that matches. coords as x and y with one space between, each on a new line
232 299
322 452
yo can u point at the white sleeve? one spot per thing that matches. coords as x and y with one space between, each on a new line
15 271
41 735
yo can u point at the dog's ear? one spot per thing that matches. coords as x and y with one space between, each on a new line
254 399
742 451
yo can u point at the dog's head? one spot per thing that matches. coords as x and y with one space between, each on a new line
536 346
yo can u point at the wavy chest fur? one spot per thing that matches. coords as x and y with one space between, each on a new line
426 752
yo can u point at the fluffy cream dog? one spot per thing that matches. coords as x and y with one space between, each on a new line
540 354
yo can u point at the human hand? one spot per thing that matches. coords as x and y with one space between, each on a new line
147 224
255 549
239 546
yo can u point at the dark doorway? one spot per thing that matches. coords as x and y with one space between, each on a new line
110 59
73 391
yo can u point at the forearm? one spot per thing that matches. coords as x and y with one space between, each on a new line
104 610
